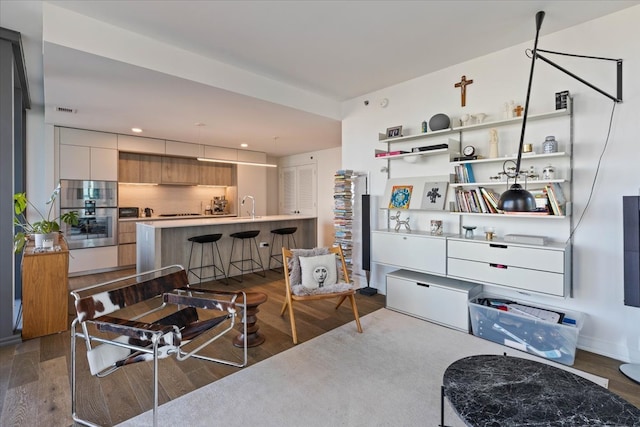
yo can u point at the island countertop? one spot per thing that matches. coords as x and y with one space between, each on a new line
210 220
165 242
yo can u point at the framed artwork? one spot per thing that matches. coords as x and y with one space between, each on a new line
434 195
394 132
400 196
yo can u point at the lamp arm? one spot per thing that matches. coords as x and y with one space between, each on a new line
539 19
583 81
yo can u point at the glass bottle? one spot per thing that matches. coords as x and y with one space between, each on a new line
550 145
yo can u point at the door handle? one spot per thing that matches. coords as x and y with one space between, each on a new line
424 285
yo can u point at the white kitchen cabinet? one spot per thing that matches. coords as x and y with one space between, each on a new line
437 299
220 153
87 154
184 149
417 251
298 188
528 268
138 144
91 259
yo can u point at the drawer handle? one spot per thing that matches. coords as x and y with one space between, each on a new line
501 266
426 285
495 245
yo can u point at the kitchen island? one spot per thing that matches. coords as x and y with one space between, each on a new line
162 243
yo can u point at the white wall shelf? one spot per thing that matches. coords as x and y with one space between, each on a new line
511 215
477 126
417 154
513 158
530 183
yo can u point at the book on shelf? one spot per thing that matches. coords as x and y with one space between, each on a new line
469 173
492 198
557 200
390 153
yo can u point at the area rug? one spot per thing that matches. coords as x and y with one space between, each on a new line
390 375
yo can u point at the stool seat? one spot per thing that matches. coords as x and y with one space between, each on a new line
217 269
247 261
245 234
285 230
275 253
207 238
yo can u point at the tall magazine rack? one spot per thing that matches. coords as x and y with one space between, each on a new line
352 222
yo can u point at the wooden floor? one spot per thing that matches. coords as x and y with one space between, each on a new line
34 375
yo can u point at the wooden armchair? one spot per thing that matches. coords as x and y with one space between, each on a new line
147 317
311 274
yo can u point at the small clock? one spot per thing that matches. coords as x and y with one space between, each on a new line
469 150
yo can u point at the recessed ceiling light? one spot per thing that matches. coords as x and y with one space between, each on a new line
244 145
136 130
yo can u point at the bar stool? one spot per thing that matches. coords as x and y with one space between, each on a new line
282 232
207 238
243 236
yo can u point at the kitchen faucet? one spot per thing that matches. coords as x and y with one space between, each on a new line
253 206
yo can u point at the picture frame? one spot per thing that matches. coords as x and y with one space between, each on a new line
400 196
434 196
394 132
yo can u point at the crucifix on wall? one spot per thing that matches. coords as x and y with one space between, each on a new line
462 84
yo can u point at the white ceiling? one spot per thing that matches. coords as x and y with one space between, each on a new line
329 50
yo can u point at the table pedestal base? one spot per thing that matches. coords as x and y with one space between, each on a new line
254 338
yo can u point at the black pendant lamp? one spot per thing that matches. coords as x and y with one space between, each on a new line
516 198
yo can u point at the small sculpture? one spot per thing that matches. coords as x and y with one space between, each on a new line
493 143
464 119
400 222
479 117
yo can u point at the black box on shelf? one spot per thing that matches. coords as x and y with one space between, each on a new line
429 148
561 99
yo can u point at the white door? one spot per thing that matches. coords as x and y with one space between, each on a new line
298 190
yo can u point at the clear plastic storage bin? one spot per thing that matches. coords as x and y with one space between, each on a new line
545 331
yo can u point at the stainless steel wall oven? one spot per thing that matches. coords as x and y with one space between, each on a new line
96 203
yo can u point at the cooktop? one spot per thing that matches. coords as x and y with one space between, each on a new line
181 214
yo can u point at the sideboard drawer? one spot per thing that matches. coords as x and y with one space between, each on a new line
503 253
413 251
518 278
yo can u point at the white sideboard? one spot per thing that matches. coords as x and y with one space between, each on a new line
435 298
416 251
527 268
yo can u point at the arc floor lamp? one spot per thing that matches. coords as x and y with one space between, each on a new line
516 198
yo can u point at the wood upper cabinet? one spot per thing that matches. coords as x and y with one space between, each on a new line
216 173
150 169
139 168
178 170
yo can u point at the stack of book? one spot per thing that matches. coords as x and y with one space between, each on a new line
464 173
478 200
343 188
557 201
389 153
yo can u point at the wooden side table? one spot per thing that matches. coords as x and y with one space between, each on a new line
254 338
44 291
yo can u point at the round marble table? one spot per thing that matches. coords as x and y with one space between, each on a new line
493 390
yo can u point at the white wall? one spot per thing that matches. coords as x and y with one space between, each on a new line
611 328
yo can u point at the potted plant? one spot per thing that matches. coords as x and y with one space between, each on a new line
45 226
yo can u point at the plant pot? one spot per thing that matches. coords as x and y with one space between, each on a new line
47 240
